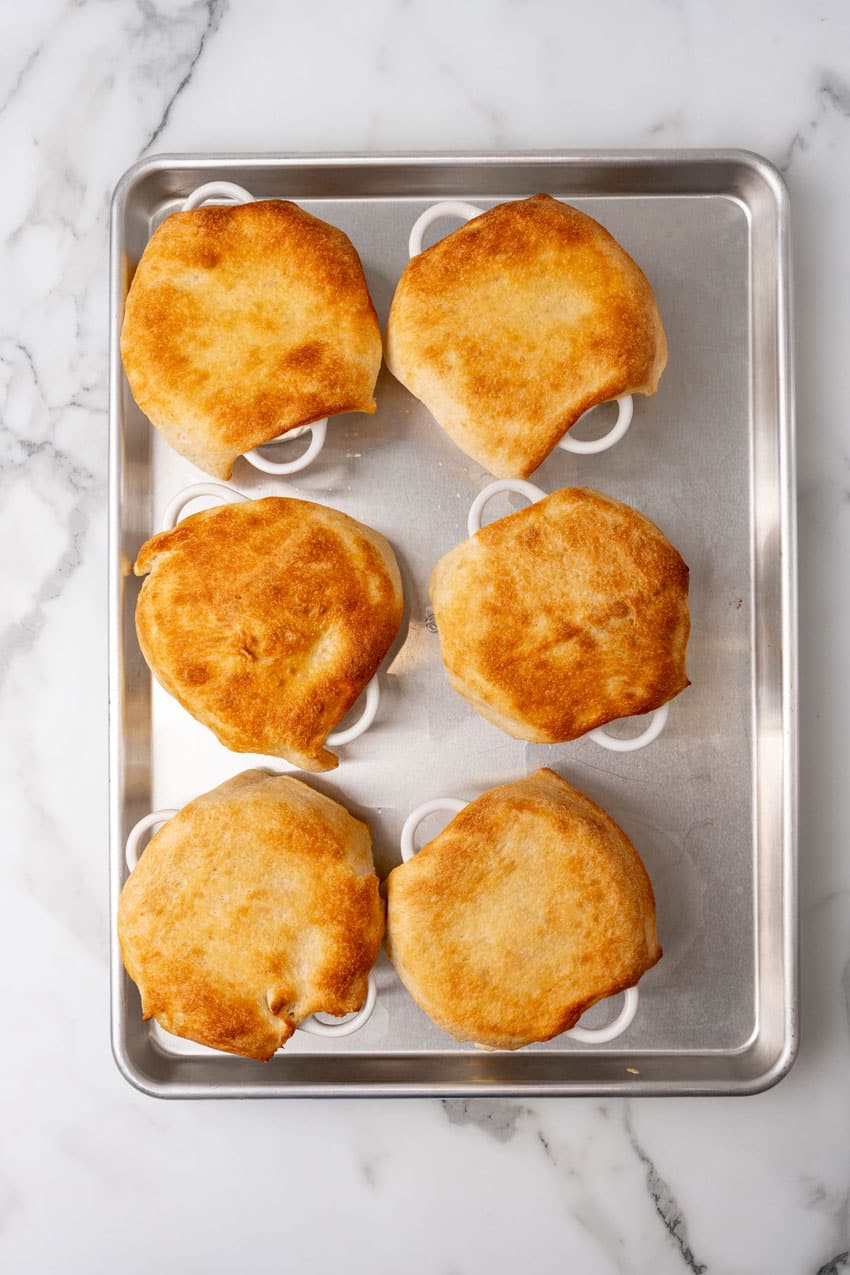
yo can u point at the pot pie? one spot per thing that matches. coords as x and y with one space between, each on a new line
245 322
514 325
266 619
531 906
252 908
564 616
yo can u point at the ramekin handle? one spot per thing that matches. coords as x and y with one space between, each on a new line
617 431
602 1035
313 1027
175 507
448 208
413 820
364 721
217 190
653 729
318 430
131 847
519 485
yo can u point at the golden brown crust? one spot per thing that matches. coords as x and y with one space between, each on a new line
527 909
256 905
512 326
266 619
561 617
244 322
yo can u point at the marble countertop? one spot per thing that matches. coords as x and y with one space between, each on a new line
93 1175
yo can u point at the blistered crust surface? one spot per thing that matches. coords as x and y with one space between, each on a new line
255 906
564 616
266 619
527 909
515 324
244 322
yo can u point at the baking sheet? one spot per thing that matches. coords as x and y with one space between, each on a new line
711 805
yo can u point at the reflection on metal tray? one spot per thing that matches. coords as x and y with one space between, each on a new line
710 805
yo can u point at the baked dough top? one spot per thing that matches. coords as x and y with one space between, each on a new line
244 322
527 909
563 616
255 906
266 619
515 324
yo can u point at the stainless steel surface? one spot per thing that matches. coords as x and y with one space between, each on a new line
711 805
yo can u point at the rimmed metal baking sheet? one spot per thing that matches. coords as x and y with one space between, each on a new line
711 806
